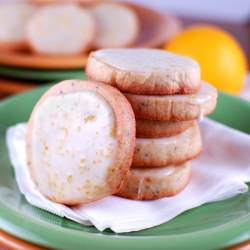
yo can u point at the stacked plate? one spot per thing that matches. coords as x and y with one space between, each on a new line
211 226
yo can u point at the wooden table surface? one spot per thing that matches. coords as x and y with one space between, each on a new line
7 87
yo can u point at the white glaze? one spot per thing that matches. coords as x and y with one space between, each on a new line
74 144
13 19
149 61
61 29
200 97
118 25
174 139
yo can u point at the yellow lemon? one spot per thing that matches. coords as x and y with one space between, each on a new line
222 60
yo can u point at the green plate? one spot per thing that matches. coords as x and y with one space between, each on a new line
210 226
41 75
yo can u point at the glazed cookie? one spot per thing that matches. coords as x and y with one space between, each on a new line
163 151
152 128
80 141
117 25
153 183
13 20
61 29
144 71
179 107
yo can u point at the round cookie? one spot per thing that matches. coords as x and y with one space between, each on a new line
61 29
153 128
144 71
163 151
179 107
117 25
80 141
154 183
13 20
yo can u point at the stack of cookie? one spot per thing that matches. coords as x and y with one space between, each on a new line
167 97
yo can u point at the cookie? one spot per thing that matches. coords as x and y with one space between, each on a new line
13 20
80 141
179 107
144 71
154 183
152 128
117 25
61 29
163 151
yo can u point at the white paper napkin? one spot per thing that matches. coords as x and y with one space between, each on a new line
218 173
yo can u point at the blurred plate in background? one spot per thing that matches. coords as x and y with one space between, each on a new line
40 75
156 29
